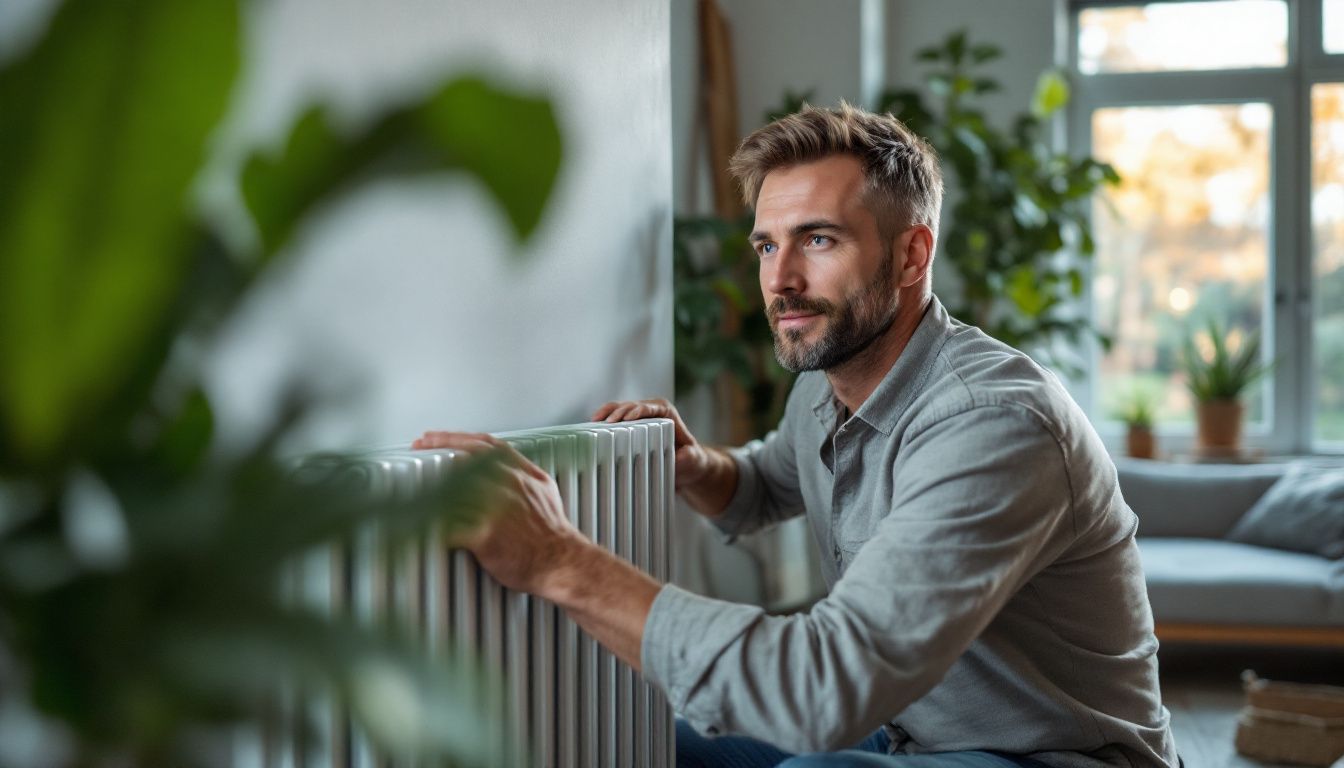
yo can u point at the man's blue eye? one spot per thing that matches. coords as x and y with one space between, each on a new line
768 248
820 239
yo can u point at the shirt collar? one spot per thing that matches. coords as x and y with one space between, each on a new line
901 384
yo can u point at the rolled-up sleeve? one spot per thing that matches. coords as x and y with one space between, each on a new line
983 501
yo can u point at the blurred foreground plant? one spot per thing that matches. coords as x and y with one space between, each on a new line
139 569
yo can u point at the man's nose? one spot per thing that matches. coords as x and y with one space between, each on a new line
784 273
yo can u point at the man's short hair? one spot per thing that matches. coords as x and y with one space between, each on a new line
904 181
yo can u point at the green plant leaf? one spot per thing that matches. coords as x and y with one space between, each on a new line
1024 291
509 141
102 132
983 52
1052 93
954 46
987 85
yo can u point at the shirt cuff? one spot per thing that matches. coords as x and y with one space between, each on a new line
746 498
683 636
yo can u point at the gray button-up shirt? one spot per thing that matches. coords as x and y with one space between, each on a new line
985 587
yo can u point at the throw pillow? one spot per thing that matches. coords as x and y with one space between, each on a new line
1302 512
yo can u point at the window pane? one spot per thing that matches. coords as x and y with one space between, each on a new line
1332 32
1158 36
1184 238
1327 223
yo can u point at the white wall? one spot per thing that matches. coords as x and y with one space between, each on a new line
407 296
795 44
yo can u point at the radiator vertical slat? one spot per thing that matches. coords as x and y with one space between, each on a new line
590 655
371 590
639 518
624 544
518 655
663 546
606 530
541 696
568 707
653 502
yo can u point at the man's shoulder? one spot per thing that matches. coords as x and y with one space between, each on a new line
974 371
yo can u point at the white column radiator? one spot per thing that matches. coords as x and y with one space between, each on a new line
571 702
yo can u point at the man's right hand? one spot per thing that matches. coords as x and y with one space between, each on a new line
706 477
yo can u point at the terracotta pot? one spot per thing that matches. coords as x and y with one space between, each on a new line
1139 443
1220 424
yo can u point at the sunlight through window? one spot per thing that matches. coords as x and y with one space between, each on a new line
1157 36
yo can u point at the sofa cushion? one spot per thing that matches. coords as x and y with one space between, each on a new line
1302 512
1188 500
1226 582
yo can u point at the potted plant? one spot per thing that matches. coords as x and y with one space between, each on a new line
1136 411
1217 381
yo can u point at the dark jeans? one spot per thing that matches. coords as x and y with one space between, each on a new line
696 751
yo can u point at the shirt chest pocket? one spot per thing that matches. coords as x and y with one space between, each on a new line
855 523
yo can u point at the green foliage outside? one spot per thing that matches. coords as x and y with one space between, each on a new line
1223 374
1018 248
139 565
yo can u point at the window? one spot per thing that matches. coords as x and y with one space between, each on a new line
1156 37
1332 27
1217 216
1185 235
1327 224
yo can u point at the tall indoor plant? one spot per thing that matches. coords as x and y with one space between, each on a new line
139 563
1021 235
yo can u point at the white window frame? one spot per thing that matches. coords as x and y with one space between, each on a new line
1291 396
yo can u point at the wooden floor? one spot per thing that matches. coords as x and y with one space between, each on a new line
1202 688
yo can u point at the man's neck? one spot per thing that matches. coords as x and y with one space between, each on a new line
854 380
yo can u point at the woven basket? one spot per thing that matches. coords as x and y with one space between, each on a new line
1291 722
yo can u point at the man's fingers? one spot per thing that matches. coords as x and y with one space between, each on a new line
629 411
471 442
657 407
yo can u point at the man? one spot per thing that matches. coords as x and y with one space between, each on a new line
986 605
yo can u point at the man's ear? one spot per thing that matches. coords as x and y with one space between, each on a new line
915 253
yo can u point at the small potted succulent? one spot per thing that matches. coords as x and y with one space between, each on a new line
1136 411
1217 380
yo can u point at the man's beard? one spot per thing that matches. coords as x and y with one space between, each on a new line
850 327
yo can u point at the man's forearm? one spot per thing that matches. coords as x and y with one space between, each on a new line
607 596
710 493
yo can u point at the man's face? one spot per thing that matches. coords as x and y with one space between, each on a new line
828 280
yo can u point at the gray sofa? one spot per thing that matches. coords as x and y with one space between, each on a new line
1207 588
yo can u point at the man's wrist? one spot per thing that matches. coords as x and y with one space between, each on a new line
576 564
710 493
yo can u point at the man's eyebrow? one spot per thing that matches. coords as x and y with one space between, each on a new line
798 229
